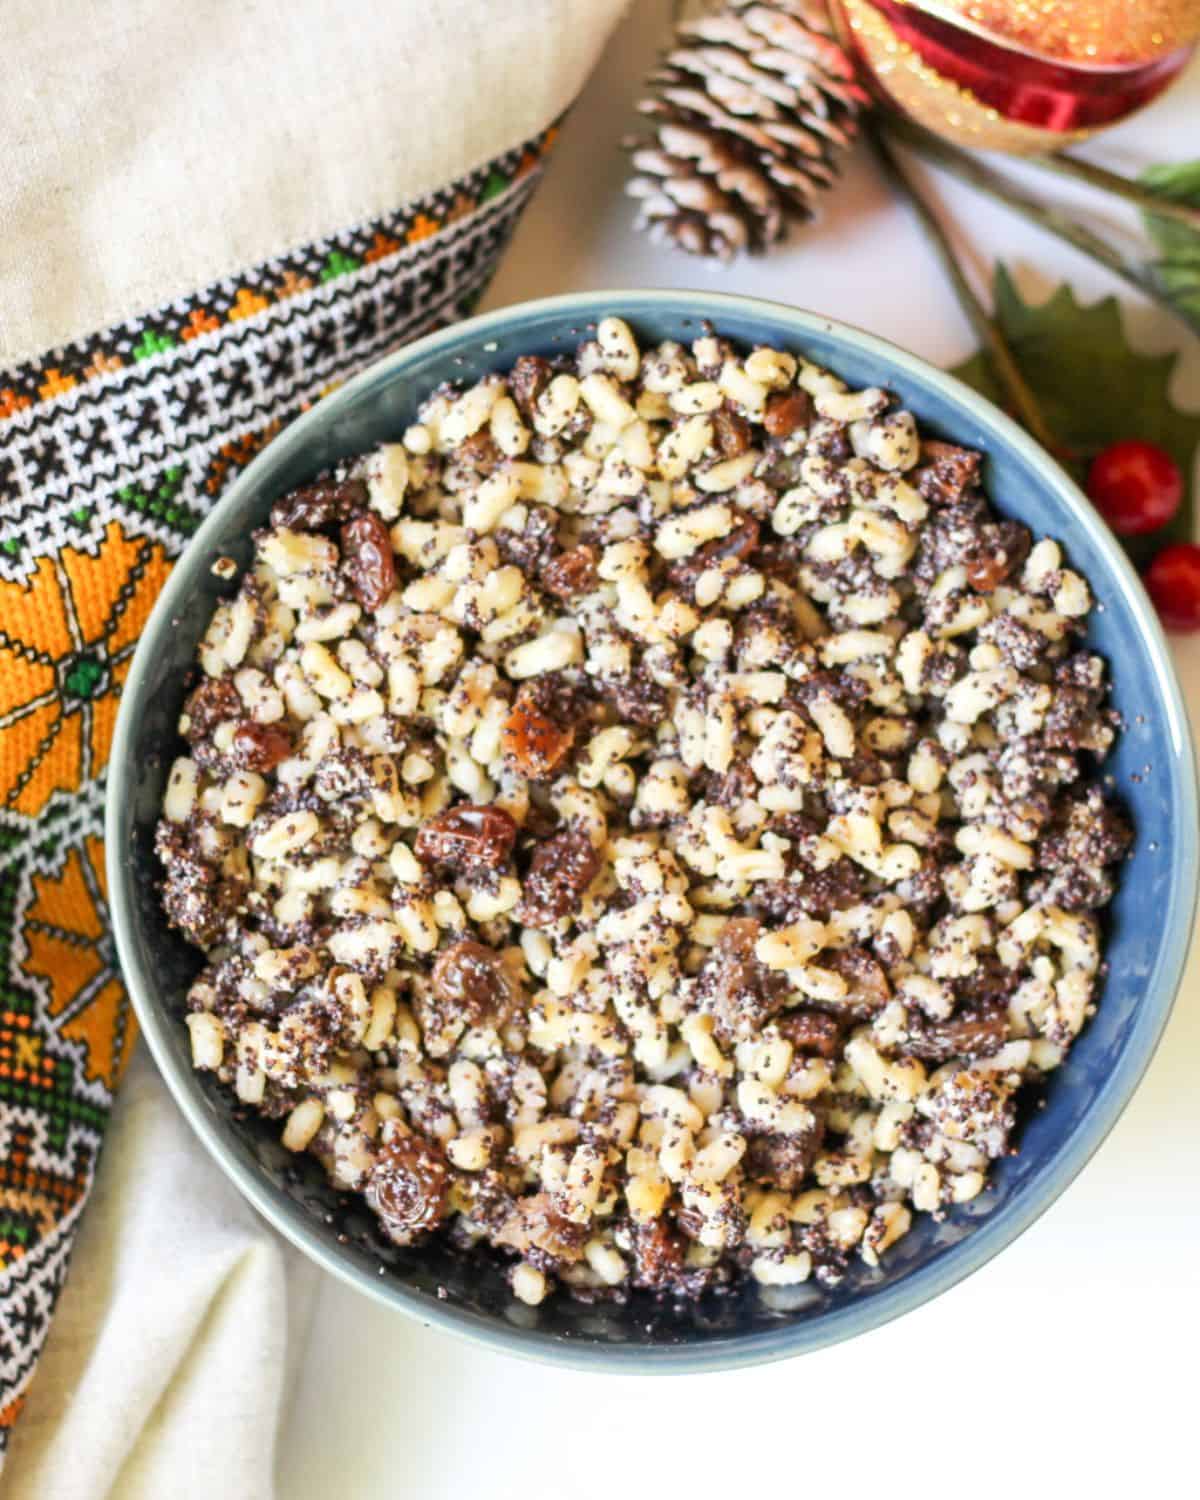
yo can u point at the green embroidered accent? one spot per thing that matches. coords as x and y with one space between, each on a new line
81 680
151 344
172 482
493 187
337 265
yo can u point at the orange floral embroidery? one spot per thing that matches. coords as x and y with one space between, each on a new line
463 205
246 304
66 935
528 162
200 322
102 364
55 384
382 246
69 634
293 283
422 228
11 403
236 454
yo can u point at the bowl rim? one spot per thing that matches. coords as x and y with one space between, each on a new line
871 1309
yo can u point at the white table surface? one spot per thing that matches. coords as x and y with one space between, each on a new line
1071 1358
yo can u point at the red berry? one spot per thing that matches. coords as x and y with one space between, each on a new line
1173 582
1135 486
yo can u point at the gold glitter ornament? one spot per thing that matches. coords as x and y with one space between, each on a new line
1018 75
1091 33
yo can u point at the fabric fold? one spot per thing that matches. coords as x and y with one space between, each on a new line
170 1350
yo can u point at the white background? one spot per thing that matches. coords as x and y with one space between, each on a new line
1070 1360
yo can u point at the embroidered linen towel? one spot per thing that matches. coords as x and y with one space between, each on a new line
211 213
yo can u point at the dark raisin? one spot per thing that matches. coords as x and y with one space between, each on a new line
784 1161
478 452
945 472
814 1032
963 1036
1002 550
658 1254
1087 832
786 411
845 690
532 741
467 838
571 573
470 983
212 703
639 699
867 986
408 1187
317 506
733 787
527 379
368 559
561 870
812 893
781 560
738 991
737 544
260 747
732 432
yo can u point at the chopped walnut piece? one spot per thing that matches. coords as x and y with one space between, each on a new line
260 747
866 984
535 743
946 472
535 1223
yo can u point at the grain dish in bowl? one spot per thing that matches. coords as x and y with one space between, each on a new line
647 822
609 1284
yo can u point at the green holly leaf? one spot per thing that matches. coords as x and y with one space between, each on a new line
1093 389
1177 273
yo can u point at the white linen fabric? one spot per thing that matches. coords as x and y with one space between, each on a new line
151 147
176 1335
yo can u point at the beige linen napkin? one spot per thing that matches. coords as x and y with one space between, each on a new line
210 214
176 1334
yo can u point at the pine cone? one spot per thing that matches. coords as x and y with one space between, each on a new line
753 106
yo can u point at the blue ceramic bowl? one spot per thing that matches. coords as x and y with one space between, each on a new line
1151 919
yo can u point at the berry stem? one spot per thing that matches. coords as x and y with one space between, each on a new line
1148 199
1017 391
963 165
